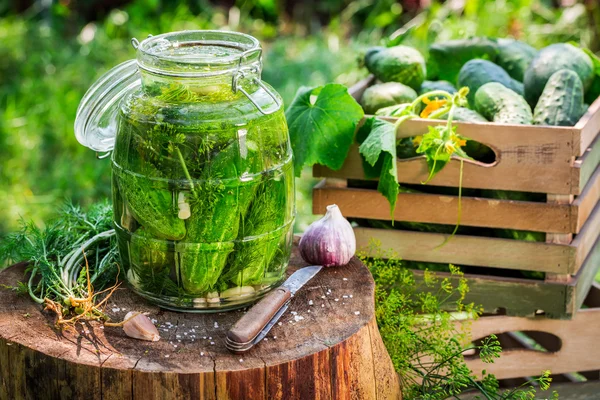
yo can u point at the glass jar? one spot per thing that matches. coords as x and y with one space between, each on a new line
202 175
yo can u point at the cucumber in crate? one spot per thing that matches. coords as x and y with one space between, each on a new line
512 200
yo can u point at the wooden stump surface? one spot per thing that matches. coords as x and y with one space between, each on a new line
326 346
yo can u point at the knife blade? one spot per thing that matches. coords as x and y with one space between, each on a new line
260 318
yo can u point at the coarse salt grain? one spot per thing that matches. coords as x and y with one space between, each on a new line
344 279
201 354
356 312
216 324
212 343
336 299
241 360
166 356
310 302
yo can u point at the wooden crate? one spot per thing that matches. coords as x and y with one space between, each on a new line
531 345
561 162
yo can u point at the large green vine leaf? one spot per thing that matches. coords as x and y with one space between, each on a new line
379 154
322 121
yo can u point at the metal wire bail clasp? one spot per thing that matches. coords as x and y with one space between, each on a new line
241 74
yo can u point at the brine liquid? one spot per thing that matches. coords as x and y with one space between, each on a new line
204 211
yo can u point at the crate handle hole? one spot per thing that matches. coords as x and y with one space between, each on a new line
537 341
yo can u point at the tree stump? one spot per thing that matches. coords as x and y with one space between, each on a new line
326 346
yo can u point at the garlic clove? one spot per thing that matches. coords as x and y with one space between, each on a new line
238 291
329 241
213 297
140 327
184 211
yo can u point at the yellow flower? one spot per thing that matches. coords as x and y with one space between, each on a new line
454 143
417 140
450 147
432 105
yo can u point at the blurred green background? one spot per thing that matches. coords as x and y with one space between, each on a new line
52 51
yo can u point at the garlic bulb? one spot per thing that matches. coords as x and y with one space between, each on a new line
140 327
330 241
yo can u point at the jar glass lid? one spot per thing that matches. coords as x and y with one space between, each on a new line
96 121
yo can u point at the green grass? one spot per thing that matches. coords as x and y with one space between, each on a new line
49 59
41 161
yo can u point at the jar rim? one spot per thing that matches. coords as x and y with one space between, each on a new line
188 53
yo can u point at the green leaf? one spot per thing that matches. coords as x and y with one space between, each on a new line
322 121
432 147
371 171
379 149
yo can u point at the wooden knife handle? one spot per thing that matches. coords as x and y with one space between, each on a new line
250 325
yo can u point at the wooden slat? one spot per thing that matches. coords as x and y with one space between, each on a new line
567 391
589 126
586 165
472 250
443 209
586 201
527 160
587 237
579 351
586 275
513 296
559 238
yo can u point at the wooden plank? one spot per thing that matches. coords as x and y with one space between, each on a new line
579 351
589 390
527 160
513 296
585 276
472 250
559 238
587 165
589 126
586 238
442 209
586 202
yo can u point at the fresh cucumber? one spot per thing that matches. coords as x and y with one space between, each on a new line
561 102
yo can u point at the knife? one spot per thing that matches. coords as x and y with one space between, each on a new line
258 321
